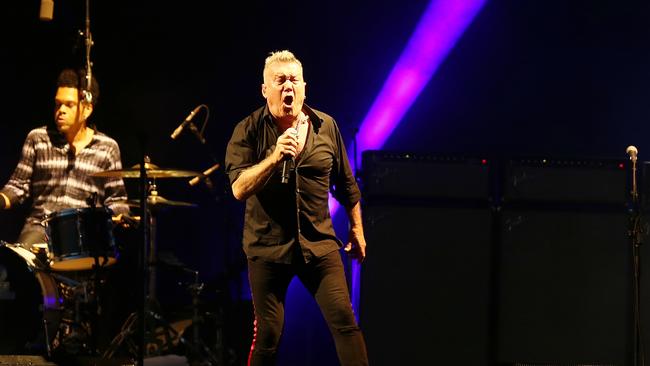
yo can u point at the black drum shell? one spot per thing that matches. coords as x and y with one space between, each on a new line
77 235
29 303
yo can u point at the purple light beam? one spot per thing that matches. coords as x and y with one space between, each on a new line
442 24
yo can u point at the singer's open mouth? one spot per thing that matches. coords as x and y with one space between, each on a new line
288 100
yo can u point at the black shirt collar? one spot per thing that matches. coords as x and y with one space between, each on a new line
316 121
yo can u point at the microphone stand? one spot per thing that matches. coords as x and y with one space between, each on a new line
204 144
206 356
89 43
635 234
355 267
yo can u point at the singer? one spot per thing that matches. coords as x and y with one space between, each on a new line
287 227
57 160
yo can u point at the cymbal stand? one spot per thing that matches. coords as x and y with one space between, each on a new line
142 265
152 307
135 323
200 354
153 249
153 341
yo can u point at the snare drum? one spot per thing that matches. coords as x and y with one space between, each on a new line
30 305
77 235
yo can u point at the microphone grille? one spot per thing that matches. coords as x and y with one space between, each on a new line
632 150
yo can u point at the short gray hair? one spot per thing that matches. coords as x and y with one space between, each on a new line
280 56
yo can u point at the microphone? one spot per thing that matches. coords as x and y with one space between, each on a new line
194 181
185 122
46 12
288 162
632 152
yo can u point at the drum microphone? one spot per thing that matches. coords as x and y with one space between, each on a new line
194 181
288 161
186 121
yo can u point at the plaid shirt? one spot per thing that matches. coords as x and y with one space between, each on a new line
55 178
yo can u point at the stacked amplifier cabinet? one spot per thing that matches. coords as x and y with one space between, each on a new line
425 283
474 261
563 294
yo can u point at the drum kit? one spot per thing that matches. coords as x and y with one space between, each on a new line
49 292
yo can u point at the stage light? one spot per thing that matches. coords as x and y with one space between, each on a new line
439 28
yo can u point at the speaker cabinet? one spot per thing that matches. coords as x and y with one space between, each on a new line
564 294
553 181
432 177
425 285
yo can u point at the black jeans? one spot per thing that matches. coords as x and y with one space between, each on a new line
324 278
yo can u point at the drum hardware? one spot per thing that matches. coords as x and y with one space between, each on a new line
152 171
80 243
30 305
157 334
75 332
30 326
79 237
41 252
200 354
156 201
80 305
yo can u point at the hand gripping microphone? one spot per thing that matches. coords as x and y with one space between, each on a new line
288 161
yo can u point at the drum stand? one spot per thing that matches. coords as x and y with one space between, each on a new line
159 335
199 353
79 336
146 318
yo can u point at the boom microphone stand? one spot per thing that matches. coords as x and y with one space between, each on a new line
88 97
635 232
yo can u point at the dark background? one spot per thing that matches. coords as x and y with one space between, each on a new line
528 78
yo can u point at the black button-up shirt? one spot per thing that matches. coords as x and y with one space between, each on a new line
279 216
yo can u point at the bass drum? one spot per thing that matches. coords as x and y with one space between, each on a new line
30 307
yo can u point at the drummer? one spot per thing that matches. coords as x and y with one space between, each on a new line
58 159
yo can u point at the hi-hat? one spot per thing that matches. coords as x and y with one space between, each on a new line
151 171
159 201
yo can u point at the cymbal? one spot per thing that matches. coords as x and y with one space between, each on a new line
151 170
159 201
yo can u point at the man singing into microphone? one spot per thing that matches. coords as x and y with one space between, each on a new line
288 230
58 159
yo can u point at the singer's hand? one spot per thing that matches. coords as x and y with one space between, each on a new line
287 145
356 247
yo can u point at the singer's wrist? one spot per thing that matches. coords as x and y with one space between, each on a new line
278 159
